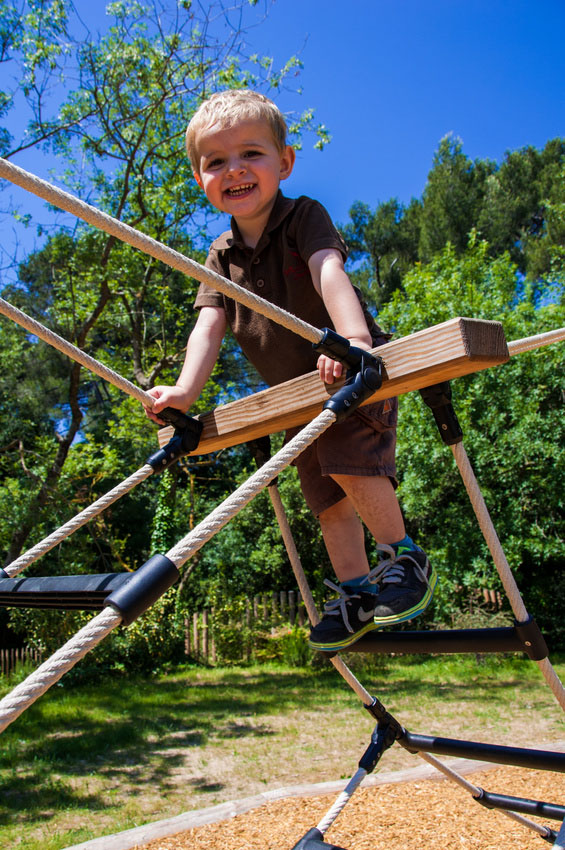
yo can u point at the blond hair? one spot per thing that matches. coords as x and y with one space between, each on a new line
227 108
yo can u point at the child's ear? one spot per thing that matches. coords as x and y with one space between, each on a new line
288 158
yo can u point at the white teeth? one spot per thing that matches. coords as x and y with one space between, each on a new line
240 190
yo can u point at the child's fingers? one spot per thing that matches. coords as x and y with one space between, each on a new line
328 369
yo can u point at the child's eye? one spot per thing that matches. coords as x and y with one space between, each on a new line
215 163
251 154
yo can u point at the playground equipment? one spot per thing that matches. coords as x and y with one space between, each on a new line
426 361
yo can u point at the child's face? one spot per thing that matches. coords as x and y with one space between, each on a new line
240 169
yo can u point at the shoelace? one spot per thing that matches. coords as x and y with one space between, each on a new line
335 607
390 570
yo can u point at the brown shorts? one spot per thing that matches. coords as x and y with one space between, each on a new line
363 444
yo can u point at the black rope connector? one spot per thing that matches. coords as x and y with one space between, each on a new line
3 573
438 398
146 585
363 378
184 440
384 735
532 639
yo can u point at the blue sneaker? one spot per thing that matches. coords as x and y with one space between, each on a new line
406 585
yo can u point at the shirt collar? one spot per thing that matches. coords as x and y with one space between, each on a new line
233 239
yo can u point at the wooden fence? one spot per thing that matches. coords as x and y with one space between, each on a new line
10 658
264 611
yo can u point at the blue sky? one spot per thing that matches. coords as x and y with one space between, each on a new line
390 78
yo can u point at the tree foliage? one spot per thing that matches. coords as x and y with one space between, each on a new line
512 206
110 110
514 430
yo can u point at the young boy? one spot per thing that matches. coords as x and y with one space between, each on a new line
289 252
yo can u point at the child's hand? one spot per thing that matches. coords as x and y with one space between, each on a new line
166 397
328 369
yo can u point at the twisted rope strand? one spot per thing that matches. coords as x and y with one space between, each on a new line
75 353
93 510
125 233
342 800
528 343
28 691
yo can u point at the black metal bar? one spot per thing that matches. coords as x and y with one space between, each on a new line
521 805
518 756
68 593
506 639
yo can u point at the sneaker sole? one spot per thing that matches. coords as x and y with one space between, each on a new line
410 613
344 642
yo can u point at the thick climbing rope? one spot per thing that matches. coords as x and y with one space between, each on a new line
155 249
22 561
518 346
62 345
38 682
96 630
343 799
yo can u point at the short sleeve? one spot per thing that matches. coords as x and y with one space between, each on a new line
206 295
313 230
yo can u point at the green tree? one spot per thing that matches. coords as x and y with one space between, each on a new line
383 246
113 108
512 419
452 198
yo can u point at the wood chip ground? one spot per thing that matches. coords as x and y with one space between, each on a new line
424 815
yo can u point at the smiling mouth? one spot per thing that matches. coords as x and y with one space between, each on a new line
239 191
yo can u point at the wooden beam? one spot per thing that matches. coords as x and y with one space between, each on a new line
440 353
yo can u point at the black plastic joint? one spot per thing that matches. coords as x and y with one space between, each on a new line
532 639
358 386
185 426
438 399
383 737
314 840
185 440
335 346
166 456
3 573
146 585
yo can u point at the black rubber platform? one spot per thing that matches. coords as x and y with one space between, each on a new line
87 592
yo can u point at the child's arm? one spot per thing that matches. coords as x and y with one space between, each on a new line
202 352
333 285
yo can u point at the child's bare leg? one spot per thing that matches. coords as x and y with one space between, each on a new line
374 499
345 540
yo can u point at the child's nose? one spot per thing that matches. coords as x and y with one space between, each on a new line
236 166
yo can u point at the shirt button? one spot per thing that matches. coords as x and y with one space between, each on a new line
256 260
260 283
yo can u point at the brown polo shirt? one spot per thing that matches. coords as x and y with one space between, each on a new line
277 270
